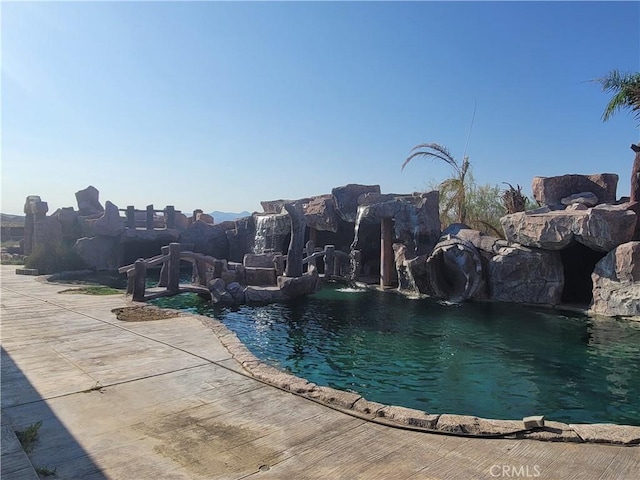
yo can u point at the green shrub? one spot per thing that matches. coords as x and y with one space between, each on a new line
56 257
29 436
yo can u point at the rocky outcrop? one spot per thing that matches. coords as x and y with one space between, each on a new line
416 218
588 199
207 238
110 224
320 214
346 199
100 253
241 238
601 228
68 219
616 282
551 190
88 202
527 275
307 284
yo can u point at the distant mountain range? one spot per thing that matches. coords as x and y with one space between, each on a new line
219 217
11 220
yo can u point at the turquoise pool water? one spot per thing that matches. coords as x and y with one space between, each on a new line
489 360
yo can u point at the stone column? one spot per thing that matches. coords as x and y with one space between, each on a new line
149 217
296 245
41 234
27 242
387 257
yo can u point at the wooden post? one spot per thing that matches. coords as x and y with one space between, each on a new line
130 282
170 219
329 254
163 281
140 280
173 285
309 249
149 217
131 217
386 252
635 174
202 271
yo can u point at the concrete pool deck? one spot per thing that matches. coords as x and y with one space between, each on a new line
167 399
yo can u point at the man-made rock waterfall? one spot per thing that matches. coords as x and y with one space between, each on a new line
579 247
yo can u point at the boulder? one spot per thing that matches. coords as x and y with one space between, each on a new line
217 288
68 219
616 282
100 253
346 199
181 221
88 201
551 190
587 199
600 228
236 291
256 294
207 238
29 202
259 276
320 214
110 224
307 284
260 260
205 217
273 206
527 275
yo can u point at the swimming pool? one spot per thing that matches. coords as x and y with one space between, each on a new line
490 360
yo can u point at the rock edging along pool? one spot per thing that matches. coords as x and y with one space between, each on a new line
261 329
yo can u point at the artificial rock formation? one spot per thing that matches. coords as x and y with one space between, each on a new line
600 228
551 190
526 275
616 282
88 201
110 224
346 199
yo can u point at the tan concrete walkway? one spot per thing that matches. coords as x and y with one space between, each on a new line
161 400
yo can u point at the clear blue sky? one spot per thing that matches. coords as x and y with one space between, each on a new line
220 105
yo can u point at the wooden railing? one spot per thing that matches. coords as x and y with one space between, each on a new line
337 264
169 274
169 214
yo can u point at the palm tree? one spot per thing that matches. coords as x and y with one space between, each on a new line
452 190
626 92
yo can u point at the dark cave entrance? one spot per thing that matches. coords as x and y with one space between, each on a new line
578 263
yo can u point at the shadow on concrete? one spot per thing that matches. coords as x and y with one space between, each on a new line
55 449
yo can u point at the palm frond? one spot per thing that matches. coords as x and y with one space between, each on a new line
434 150
626 92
